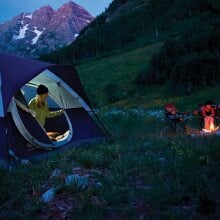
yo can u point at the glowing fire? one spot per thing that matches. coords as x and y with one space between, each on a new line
212 128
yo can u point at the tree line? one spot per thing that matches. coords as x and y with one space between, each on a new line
186 64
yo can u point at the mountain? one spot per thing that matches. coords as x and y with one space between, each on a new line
135 23
43 31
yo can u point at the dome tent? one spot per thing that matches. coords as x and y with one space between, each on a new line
18 76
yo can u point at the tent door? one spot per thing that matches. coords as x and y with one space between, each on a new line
30 128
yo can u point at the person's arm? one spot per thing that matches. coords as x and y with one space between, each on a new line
52 114
24 108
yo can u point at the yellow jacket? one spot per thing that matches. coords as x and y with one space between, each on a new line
43 112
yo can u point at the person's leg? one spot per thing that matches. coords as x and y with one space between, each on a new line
206 123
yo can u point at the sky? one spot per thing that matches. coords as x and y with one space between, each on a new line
11 8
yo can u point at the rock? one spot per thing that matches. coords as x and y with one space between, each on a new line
49 195
80 182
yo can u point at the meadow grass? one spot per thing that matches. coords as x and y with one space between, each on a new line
144 172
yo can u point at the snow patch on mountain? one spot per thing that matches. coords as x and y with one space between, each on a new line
22 32
38 33
28 16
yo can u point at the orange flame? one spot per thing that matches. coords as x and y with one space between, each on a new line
212 128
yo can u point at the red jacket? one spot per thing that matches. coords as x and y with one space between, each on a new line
207 111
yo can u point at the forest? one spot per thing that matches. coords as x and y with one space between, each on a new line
186 64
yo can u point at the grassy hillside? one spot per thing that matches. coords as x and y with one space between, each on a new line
109 80
116 72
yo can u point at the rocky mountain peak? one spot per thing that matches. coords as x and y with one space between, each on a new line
44 11
46 8
69 4
43 31
72 8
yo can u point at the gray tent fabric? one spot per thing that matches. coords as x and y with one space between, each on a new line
19 76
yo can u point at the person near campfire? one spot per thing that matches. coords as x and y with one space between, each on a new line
208 114
174 115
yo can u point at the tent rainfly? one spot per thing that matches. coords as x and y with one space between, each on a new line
19 78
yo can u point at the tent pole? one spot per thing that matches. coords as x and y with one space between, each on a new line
107 131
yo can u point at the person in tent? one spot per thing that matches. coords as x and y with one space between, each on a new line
40 107
208 114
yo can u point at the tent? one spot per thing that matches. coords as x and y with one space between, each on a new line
19 78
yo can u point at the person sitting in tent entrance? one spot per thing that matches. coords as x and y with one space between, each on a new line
40 106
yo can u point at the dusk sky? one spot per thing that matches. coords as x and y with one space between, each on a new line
11 8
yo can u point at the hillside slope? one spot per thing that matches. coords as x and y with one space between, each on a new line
110 79
119 46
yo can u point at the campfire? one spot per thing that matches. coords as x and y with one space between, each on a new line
212 128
